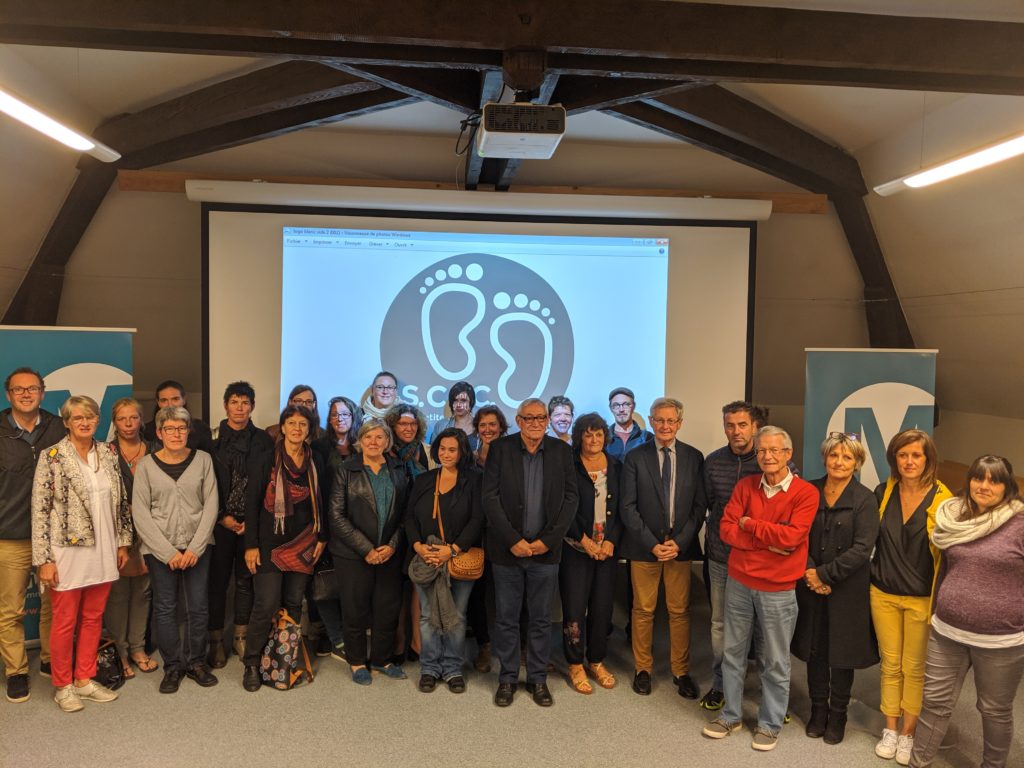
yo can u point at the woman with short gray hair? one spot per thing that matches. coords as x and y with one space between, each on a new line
174 504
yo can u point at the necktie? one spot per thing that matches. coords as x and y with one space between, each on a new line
666 482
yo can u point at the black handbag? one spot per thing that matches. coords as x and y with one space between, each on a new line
109 670
325 585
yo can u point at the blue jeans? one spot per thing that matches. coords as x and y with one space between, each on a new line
535 584
718 574
774 613
442 654
194 583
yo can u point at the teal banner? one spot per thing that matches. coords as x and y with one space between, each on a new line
871 392
72 361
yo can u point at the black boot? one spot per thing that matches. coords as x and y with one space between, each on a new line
818 721
836 728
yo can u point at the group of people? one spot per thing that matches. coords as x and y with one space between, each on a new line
394 522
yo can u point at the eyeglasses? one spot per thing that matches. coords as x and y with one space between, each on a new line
532 419
341 416
303 403
35 389
83 419
620 406
666 422
462 398
174 430
384 388
772 451
853 437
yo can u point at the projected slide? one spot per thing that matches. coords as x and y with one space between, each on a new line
516 315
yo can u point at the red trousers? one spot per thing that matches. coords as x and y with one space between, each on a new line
76 611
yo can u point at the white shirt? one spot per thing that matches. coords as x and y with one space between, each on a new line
782 485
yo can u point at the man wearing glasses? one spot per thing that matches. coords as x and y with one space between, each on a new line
529 497
626 433
25 431
662 507
766 522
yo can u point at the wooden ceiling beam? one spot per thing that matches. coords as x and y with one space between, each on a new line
974 54
37 300
733 116
583 94
455 89
492 86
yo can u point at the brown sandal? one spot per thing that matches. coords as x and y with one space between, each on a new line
578 679
126 666
145 664
601 674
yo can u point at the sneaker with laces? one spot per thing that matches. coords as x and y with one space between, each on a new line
886 746
67 699
17 688
93 691
719 728
713 700
904 746
764 740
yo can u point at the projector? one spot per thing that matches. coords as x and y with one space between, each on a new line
522 131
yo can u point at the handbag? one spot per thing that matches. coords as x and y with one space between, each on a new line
297 554
285 661
325 584
109 670
467 565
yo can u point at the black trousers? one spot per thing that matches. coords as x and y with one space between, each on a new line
228 561
587 587
476 613
827 685
371 596
273 590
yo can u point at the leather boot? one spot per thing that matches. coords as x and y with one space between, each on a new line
216 658
238 645
818 721
836 728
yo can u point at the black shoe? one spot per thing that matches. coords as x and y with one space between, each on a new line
398 659
504 695
17 688
251 679
686 686
713 700
202 675
836 728
338 652
817 723
541 694
642 683
427 683
44 668
457 684
324 646
171 681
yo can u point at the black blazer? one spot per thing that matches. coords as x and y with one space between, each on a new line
352 511
645 510
504 492
464 518
583 521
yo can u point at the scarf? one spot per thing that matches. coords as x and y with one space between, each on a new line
411 454
371 410
951 530
282 494
436 584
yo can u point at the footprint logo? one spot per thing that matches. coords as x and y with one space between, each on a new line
484 319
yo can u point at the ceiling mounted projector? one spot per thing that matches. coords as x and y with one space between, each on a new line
522 131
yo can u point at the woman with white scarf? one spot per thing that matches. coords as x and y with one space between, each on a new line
978 611
382 395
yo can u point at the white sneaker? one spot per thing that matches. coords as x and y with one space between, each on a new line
93 691
67 699
886 746
904 746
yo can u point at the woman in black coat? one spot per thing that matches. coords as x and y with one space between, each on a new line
586 576
834 634
368 500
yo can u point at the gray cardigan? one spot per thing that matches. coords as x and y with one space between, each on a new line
174 516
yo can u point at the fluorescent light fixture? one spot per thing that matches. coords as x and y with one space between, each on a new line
33 118
981 158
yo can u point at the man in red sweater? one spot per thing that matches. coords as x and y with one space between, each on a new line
766 522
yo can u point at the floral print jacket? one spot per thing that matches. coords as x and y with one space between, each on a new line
60 502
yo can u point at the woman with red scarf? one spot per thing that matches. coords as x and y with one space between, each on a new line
285 534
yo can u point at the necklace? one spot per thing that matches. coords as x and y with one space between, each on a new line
131 462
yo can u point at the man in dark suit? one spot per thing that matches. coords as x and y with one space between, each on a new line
663 505
529 497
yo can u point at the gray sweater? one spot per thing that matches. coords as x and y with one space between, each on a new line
172 516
